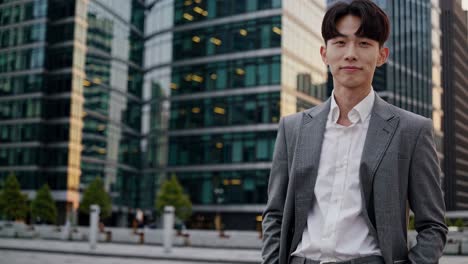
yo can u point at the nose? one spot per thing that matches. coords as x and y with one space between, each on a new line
350 54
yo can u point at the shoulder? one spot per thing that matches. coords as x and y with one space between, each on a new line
290 123
294 120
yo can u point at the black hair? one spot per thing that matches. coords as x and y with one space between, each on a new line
375 24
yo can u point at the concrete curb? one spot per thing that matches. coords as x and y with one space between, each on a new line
117 255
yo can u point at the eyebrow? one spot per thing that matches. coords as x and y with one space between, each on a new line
348 36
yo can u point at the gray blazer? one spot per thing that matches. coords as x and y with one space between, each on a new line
399 167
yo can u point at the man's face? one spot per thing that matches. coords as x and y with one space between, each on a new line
352 59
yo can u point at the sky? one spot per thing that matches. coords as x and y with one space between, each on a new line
465 4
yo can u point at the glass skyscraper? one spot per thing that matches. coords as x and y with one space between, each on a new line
134 91
71 78
41 73
225 72
113 102
454 23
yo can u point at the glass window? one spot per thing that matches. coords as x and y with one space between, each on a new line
57 108
233 110
226 75
221 79
265 35
58 9
37 58
237 151
5 38
29 11
247 35
263 74
250 75
138 13
60 58
252 5
15 14
4 133
276 3
5 16
58 33
275 72
40 7
193 11
217 149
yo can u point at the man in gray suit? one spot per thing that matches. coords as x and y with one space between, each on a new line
346 172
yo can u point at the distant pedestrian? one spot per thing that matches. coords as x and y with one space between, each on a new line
139 217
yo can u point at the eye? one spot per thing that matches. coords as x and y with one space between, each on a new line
339 42
364 43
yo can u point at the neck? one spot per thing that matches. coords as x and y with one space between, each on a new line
347 98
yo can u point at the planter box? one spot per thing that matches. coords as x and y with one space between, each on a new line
7 232
105 236
452 248
76 236
27 234
52 235
464 247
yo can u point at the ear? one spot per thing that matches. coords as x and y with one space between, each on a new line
383 56
323 53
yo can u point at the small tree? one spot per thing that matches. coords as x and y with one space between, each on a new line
13 203
172 193
459 223
448 222
95 194
43 208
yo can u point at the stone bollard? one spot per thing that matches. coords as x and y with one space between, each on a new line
66 230
168 228
93 225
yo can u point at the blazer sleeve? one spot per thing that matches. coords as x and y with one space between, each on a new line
277 188
426 199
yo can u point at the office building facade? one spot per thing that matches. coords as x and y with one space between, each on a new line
87 89
71 78
41 96
227 71
455 97
113 93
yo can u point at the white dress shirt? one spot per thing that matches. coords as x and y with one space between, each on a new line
335 229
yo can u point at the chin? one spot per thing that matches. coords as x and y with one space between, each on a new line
352 84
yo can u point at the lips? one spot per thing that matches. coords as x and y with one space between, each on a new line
350 69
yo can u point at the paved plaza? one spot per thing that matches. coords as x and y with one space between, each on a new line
129 251
24 251
18 257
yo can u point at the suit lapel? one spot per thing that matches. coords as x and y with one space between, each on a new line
382 126
306 165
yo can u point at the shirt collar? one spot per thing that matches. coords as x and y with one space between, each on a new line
361 111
